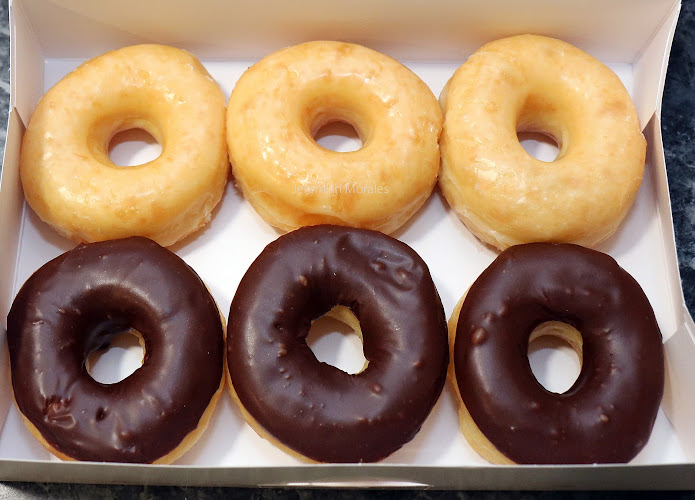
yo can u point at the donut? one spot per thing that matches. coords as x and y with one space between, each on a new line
73 306
583 296
310 409
539 84
279 104
72 184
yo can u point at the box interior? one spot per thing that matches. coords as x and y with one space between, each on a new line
48 42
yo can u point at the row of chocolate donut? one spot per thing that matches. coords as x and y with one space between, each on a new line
503 195
77 302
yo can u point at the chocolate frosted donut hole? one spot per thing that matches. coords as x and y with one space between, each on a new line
313 409
74 305
506 414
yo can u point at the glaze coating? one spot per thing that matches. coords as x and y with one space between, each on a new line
74 305
314 408
608 414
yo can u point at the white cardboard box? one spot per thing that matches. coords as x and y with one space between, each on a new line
51 37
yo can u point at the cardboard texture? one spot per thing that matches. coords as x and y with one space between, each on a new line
49 38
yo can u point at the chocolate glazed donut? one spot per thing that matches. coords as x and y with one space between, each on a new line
74 305
609 412
315 409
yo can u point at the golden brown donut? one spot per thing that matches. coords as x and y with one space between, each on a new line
280 102
69 179
535 83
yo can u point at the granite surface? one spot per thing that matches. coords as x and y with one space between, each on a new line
678 125
4 71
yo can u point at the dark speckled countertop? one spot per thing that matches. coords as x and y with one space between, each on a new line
678 128
678 125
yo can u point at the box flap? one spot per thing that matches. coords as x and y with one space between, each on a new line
11 206
26 63
679 395
648 94
656 165
252 29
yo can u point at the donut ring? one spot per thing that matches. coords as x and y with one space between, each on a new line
314 410
279 104
72 184
74 305
535 83
506 414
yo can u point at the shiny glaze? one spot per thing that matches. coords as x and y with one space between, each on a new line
608 414
314 408
74 305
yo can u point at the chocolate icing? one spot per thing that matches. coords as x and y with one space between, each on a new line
74 305
608 414
314 408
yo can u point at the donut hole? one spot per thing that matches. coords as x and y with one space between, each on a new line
339 136
123 356
555 355
133 147
541 146
336 339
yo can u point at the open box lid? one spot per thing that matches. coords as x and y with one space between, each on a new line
43 30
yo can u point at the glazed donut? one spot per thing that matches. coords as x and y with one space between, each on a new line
74 305
534 83
279 104
313 410
72 184
574 293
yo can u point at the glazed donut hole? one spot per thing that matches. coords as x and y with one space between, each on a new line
127 116
555 355
335 124
336 339
339 136
133 147
540 129
541 146
118 142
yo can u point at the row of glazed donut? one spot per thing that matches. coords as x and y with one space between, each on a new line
77 302
521 83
